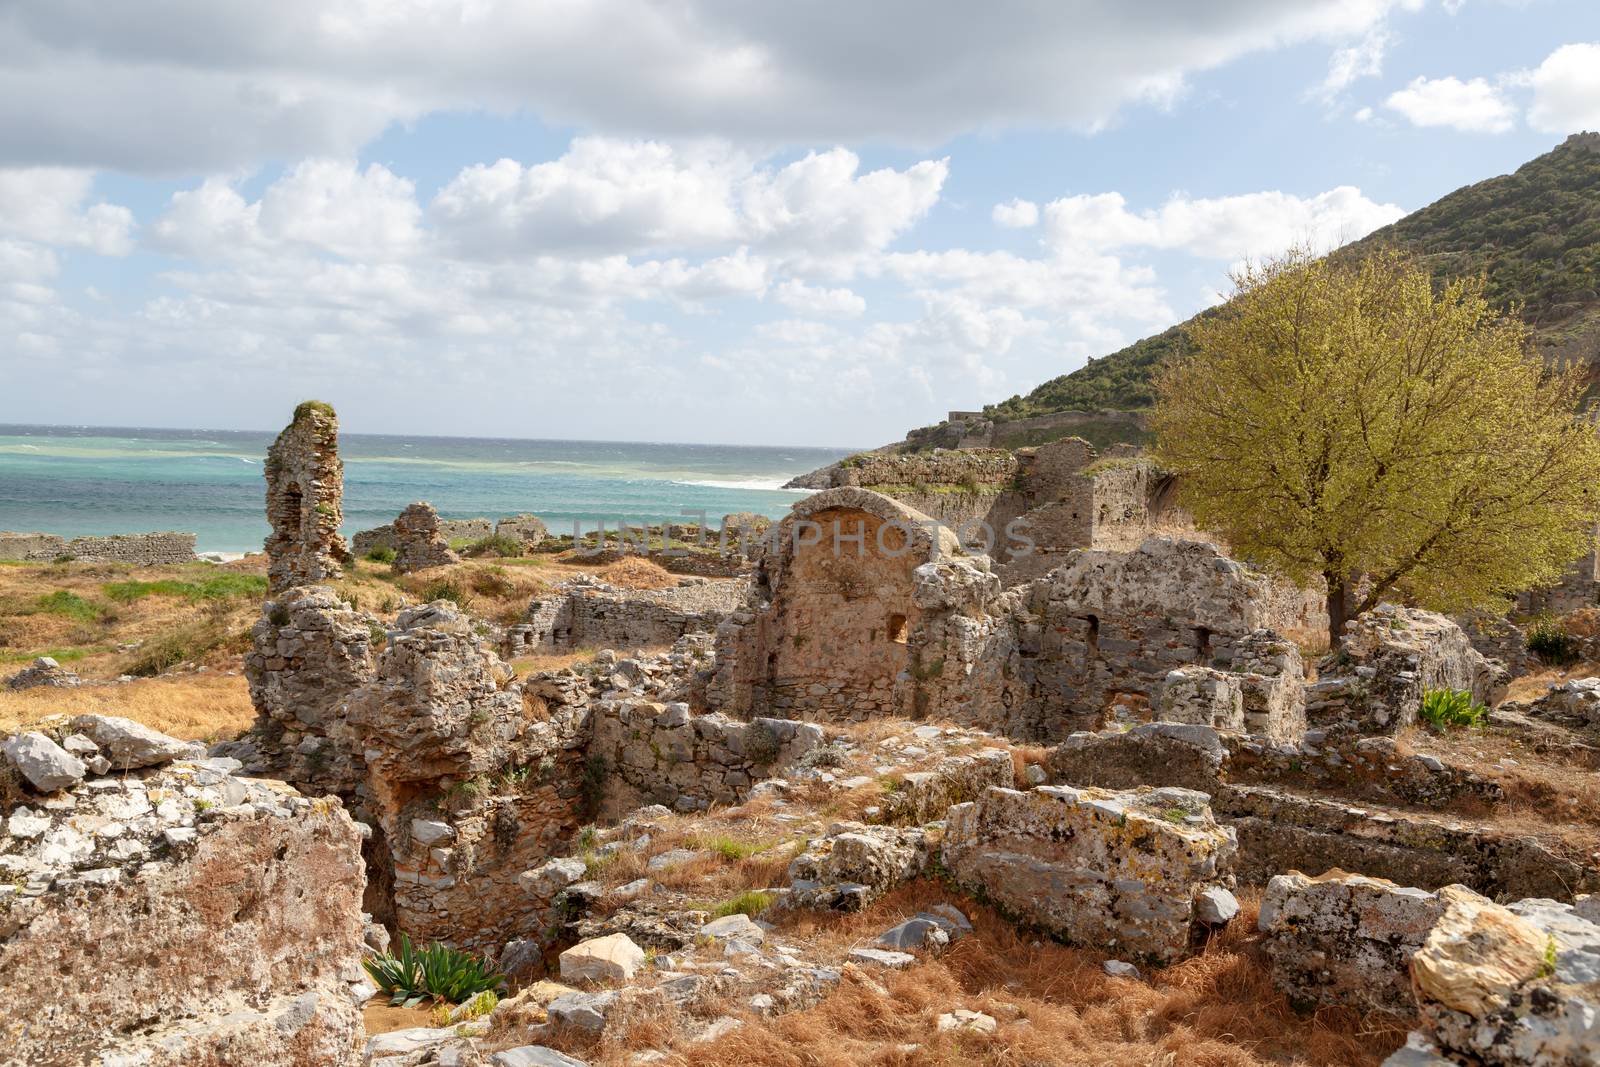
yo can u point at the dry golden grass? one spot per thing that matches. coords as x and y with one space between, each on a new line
77 613
195 707
1054 1005
629 572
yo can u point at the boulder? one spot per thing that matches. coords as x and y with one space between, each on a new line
219 917
44 671
613 958
1114 870
535 1056
46 765
1514 986
130 745
854 865
1344 938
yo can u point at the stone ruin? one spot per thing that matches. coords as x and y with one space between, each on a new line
585 612
162 911
849 618
305 493
1184 765
1026 509
833 611
418 542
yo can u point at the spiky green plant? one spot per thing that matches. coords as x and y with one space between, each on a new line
439 972
1446 708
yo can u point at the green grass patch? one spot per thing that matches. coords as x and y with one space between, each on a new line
751 902
70 605
731 848
225 586
60 655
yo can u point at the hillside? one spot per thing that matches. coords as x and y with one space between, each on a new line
1535 233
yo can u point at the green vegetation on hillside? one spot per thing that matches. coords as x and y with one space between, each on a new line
1535 234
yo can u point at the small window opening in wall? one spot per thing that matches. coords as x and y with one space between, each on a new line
1091 637
897 629
1202 644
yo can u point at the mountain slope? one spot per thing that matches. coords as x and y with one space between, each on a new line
1535 233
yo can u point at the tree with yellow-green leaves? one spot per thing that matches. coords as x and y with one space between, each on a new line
1344 419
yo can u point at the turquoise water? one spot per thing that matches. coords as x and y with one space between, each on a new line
79 481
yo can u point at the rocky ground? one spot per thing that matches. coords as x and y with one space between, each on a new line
900 893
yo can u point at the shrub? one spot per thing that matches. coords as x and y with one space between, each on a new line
592 787
438 971
447 589
761 744
382 554
182 645
1551 643
495 545
1448 708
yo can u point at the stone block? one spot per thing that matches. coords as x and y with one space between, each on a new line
613 958
1114 870
1345 939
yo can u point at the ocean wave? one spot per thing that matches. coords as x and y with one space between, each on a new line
774 485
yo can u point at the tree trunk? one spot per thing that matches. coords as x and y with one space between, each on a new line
1336 616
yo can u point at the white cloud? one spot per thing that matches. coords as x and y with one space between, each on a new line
87 84
1566 90
1473 106
1016 214
1226 228
608 195
318 205
813 300
1364 59
46 204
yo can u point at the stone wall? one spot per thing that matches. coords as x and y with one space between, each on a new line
974 468
828 632
419 541
305 500
1099 636
661 754
309 652
141 550
1026 509
587 613
180 917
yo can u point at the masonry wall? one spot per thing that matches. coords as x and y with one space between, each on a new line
595 615
661 754
141 550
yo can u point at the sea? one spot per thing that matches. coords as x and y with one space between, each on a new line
77 481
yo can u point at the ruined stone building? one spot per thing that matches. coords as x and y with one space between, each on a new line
847 622
1026 509
835 609
305 491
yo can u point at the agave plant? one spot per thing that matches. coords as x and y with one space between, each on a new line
437 972
1442 708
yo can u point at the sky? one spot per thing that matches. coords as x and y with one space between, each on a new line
729 221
